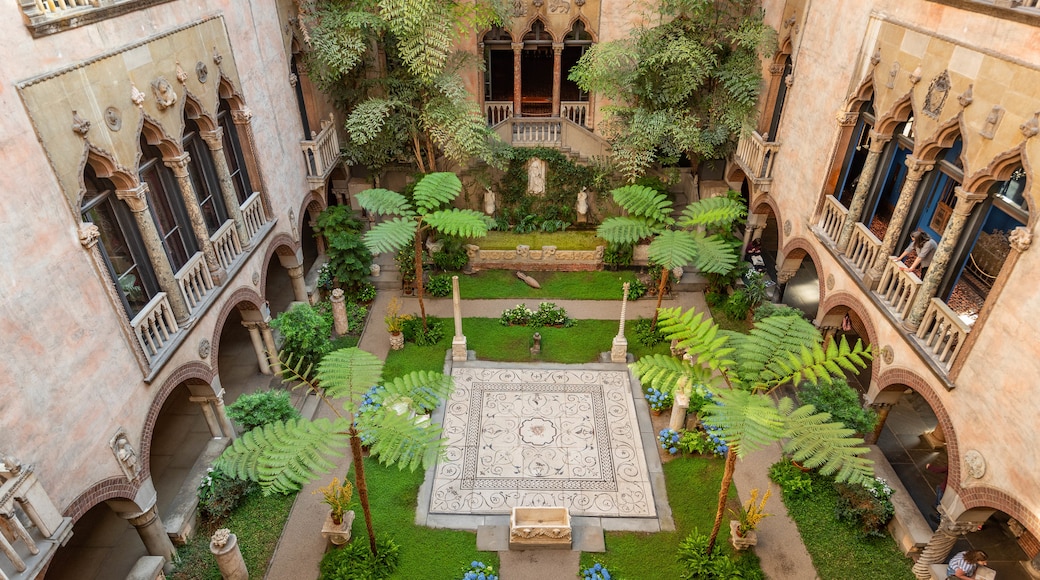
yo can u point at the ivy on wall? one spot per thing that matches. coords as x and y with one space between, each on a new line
563 180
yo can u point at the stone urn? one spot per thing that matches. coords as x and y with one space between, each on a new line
396 341
338 534
739 542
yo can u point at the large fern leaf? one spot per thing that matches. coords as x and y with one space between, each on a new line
436 189
747 421
697 334
625 229
816 364
712 212
426 389
405 439
816 441
771 339
673 249
282 457
385 202
639 200
349 373
390 236
663 372
464 223
714 254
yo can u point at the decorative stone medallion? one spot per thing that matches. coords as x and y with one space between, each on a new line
204 348
975 463
163 92
938 90
537 431
787 227
202 71
830 281
887 354
256 278
113 118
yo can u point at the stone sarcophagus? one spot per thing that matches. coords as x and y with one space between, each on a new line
539 527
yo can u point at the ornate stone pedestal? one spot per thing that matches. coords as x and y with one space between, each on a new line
741 542
338 534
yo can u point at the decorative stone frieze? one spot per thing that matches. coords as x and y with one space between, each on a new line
547 258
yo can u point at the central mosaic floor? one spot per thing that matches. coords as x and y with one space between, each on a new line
542 438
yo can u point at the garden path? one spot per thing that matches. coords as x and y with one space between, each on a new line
300 548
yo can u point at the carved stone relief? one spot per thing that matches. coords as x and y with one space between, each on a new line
80 126
892 72
787 227
164 94
561 6
975 463
89 234
938 90
202 71
136 95
1031 127
992 122
887 354
182 77
204 348
830 281
126 455
113 118
966 97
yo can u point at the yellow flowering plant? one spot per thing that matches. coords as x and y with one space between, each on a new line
752 512
337 496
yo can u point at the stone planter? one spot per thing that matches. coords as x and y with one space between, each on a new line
396 341
338 534
741 542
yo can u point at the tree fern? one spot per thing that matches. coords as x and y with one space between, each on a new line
390 236
747 422
625 229
643 201
463 223
401 439
815 441
350 372
673 249
436 189
385 202
698 335
713 212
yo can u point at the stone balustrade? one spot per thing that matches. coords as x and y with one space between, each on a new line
321 153
863 248
194 281
832 219
226 245
253 214
536 132
31 528
547 258
756 156
576 112
898 288
155 326
497 112
942 333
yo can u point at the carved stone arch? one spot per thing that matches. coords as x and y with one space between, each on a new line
902 378
768 202
998 169
862 95
196 370
984 496
849 301
229 93
281 243
585 22
246 295
111 488
796 249
530 27
902 110
105 166
482 34
194 110
154 134
945 135
785 48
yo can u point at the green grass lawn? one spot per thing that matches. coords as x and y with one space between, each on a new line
555 285
257 523
567 240
838 550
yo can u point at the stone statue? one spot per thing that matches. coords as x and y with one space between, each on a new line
583 202
489 201
127 457
536 176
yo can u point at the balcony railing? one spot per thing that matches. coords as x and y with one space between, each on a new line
321 152
576 112
833 218
155 326
863 248
497 111
253 215
898 288
194 281
756 156
536 132
942 333
226 245
45 17
31 528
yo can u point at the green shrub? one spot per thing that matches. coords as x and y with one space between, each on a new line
366 292
698 565
355 561
452 255
793 482
647 334
842 402
412 329
439 285
696 441
548 314
616 255
220 493
636 289
715 299
768 309
260 408
349 258
868 506
405 260
550 226
306 332
738 305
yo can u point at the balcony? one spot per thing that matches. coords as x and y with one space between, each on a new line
942 333
863 248
253 215
756 156
577 112
321 153
194 281
832 219
898 288
45 17
33 529
155 327
497 112
226 244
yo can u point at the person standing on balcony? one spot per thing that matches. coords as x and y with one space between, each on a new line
924 246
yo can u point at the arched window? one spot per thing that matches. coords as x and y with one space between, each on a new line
575 44
167 206
120 244
855 155
204 177
236 161
498 60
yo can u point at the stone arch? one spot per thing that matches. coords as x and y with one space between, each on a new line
999 169
154 134
766 201
106 167
240 295
193 370
984 496
896 377
943 137
312 204
194 110
585 23
863 94
796 249
111 488
900 112
227 91
282 243
847 300
545 25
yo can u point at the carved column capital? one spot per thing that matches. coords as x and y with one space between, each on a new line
89 234
557 47
878 141
517 46
966 200
178 163
918 166
136 198
776 68
1020 239
214 139
242 116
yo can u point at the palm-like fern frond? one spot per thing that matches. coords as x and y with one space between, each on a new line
349 373
643 201
712 212
673 249
816 441
771 339
426 389
625 229
390 236
698 335
385 202
282 457
669 374
714 254
747 421
407 440
816 364
436 189
465 223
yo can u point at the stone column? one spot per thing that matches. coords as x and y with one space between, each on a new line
258 346
916 170
458 342
215 140
619 348
152 533
269 347
866 177
941 259
137 201
557 74
207 412
680 406
936 437
179 166
221 410
299 286
940 544
243 118
518 48
224 547
339 312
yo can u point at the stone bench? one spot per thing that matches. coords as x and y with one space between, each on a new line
908 527
179 519
539 527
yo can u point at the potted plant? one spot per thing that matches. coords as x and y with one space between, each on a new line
339 521
659 401
742 529
394 323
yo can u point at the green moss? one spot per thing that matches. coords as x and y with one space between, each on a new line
554 285
569 240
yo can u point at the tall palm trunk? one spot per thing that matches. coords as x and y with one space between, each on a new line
665 272
419 272
362 486
727 481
